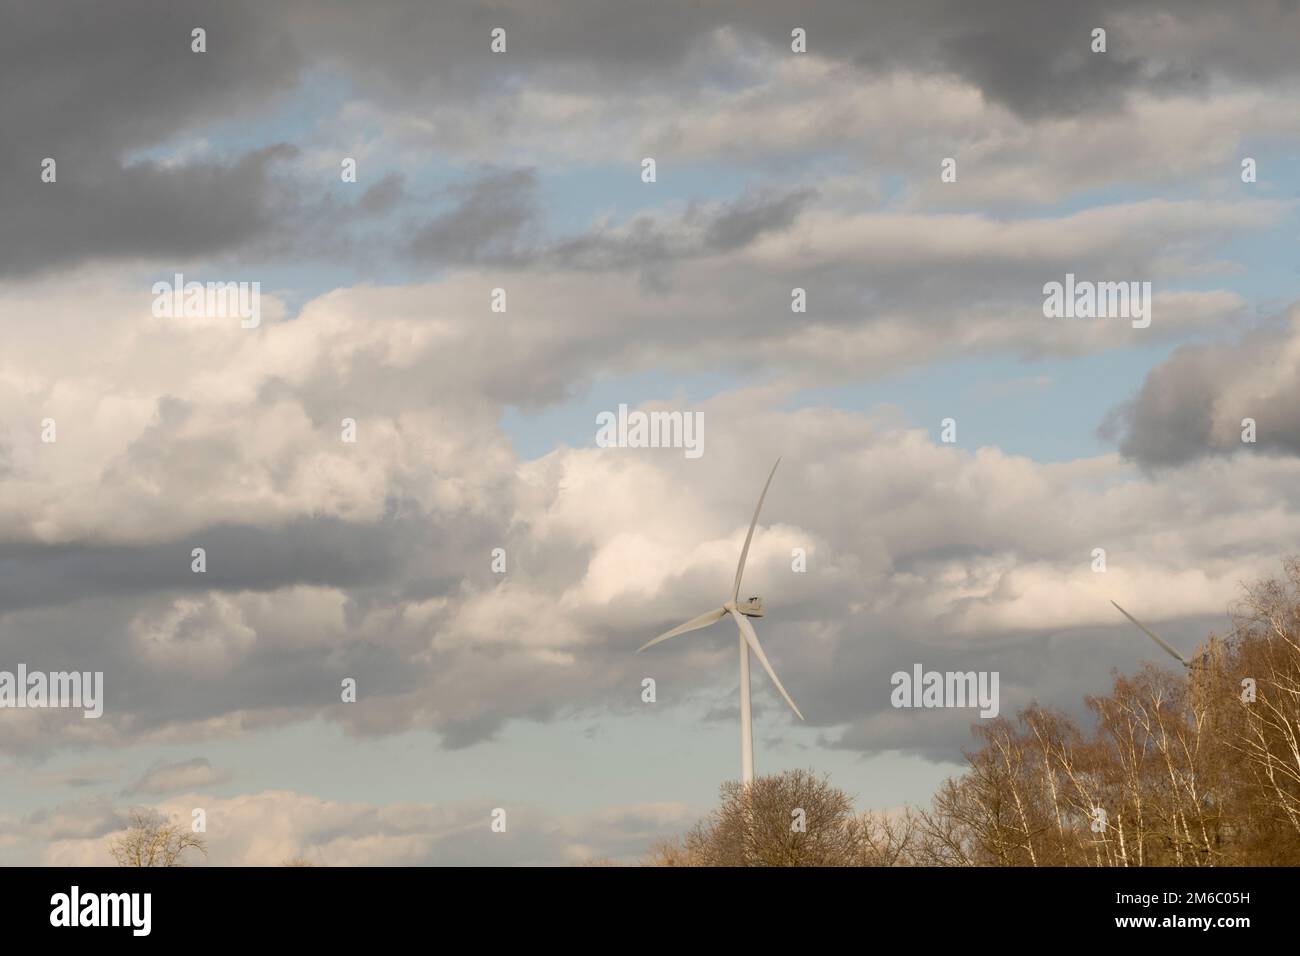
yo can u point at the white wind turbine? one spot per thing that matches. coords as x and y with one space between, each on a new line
1152 634
752 607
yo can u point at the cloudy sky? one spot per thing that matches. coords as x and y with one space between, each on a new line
476 430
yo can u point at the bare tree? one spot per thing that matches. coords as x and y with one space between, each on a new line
154 840
789 819
1266 720
670 852
884 839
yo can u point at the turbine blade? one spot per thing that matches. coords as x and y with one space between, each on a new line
751 639
744 552
694 624
1151 634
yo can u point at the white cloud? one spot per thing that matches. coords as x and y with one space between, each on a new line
275 826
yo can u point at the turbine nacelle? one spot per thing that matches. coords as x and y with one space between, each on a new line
750 607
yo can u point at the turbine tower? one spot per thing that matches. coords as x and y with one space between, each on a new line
741 612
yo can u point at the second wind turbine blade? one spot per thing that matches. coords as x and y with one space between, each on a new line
751 639
744 552
694 624
1151 634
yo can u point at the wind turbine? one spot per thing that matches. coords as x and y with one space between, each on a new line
741 613
1151 634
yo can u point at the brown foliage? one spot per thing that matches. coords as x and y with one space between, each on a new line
1180 769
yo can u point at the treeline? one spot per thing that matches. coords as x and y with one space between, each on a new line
1200 768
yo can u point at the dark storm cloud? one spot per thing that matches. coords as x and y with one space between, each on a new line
647 241
380 198
495 218
321 551
489 221
1192 405
1171 421
458 734
109 78
89 85
1031 56
101 209
740 222
198 670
